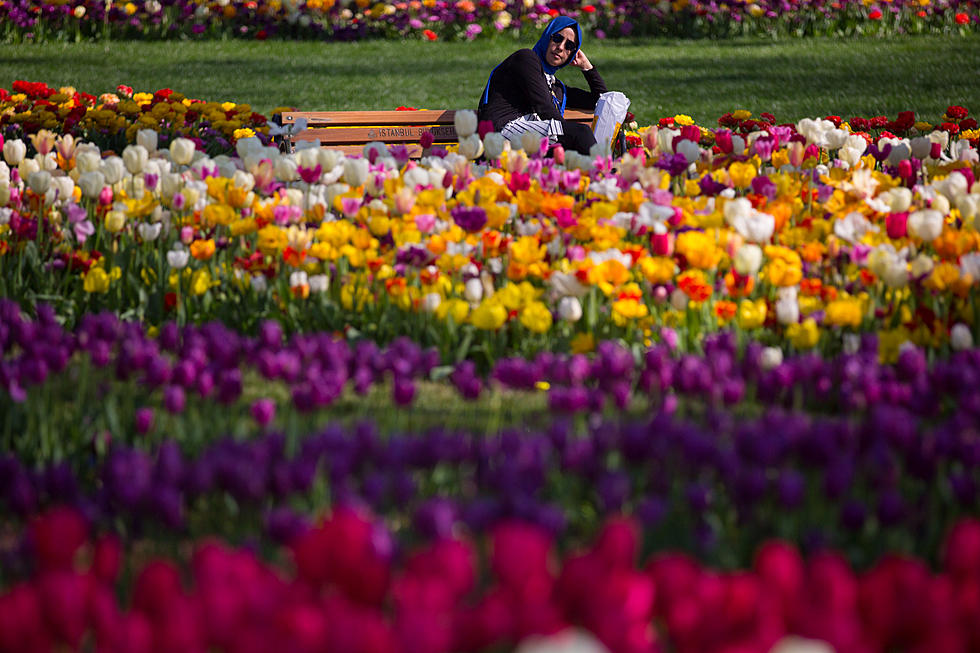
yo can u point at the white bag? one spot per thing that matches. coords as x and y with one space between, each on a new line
610 112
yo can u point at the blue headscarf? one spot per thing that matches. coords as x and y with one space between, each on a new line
557 24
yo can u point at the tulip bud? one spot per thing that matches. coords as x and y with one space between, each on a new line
87 161
471 146
14 151
900 198
678 299
921 147
690 150
926 225
246 146
355 171
960 337
135 158
170 184
431 302
39 182
63 187
177 258
182 151
113 169
115 220
465 123
27 167
147 138
770 358
473 290
148 231
570 309
748 260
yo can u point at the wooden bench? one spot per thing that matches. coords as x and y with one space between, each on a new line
350 131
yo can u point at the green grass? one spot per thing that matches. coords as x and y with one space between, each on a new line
791 78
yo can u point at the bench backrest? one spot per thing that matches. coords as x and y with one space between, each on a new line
349 131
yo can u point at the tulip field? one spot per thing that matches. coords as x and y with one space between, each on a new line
715 391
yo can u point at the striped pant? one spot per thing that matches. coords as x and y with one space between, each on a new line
550 128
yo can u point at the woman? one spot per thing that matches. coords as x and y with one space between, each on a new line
522 93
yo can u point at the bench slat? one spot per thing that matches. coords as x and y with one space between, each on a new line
371 118
386 118
405 134
349 131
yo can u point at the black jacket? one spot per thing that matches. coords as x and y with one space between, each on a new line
518 87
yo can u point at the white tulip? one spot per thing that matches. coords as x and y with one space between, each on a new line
926 224
330 159
494 145
170 184
748 259
570 309
294 195
149 231
415 177
770 358
48 162
690 150
471 146
259 283
135 158
63 187
87 161
920 146
473 290
243 180
247 146
182 151
465 123
113 169
836 138
895 273
355 171
39 182
900 199
430 302
309 157
14 151
852 227
960 337
787 305
91 184
970 265
285 169
27 167
531 142
148 139
901 151
319 283
678 299
178 258
298 278
921 265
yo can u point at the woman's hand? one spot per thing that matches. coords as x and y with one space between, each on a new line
581 61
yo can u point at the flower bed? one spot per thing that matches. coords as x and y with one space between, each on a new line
28 20
726 334
351 590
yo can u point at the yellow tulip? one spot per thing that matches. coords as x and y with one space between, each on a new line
96 280
536 317
489 316
752 314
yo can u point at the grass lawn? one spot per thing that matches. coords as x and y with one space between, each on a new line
791 78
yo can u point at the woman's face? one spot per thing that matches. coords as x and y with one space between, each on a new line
558 54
